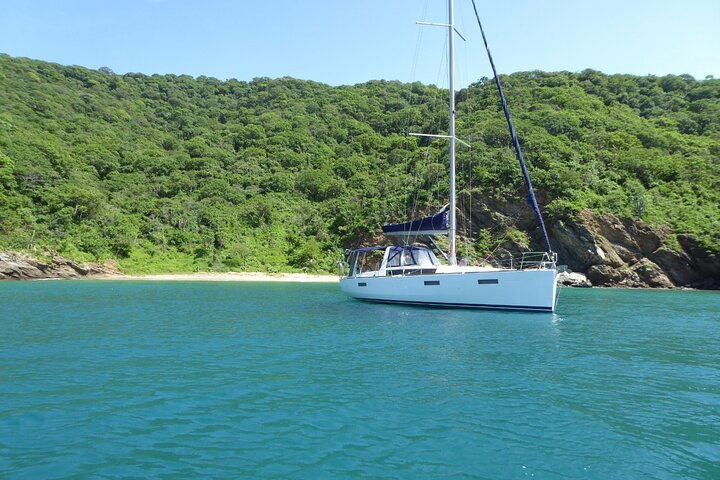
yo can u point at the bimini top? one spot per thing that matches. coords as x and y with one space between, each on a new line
366 249
393 248
436 224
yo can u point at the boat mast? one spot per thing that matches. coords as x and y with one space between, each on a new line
452 221
452 256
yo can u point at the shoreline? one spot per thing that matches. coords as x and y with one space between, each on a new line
224 277
16 266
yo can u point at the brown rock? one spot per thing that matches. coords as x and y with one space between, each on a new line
645 238
13 266
607 276
575 246
650 275
573 279
677 266
16 266
707 265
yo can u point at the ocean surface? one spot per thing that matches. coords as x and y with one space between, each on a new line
122 379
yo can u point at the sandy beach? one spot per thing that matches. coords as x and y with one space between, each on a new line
228 277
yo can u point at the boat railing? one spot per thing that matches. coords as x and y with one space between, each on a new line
518 261
529 261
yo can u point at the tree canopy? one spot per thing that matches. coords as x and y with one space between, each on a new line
174 173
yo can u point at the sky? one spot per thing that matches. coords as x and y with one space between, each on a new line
343 42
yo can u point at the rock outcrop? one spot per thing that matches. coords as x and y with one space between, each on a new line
603 250
573 279
16 266
628 253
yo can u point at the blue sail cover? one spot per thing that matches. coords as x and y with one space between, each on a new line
436 224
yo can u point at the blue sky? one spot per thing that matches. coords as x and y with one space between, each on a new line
346 42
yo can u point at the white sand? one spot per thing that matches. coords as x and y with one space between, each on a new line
228 277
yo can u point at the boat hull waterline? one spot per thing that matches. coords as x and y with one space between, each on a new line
529 290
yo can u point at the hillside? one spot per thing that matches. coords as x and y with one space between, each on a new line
171 173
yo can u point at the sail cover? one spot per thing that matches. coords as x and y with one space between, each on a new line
436 224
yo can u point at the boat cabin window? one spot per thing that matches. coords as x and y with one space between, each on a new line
351 264
365 261
411 256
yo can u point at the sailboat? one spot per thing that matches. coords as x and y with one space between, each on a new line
412 274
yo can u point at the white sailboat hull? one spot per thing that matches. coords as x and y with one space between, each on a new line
505 289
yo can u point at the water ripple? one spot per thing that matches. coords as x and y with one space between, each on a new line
121 380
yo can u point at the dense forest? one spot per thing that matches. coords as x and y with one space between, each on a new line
174 173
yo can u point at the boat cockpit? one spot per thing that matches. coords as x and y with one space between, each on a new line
390 261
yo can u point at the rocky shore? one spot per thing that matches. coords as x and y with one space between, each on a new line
605 251
627 253
17 266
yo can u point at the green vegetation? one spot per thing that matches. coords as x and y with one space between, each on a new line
171 173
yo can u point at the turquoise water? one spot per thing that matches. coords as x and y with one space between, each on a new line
251 380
